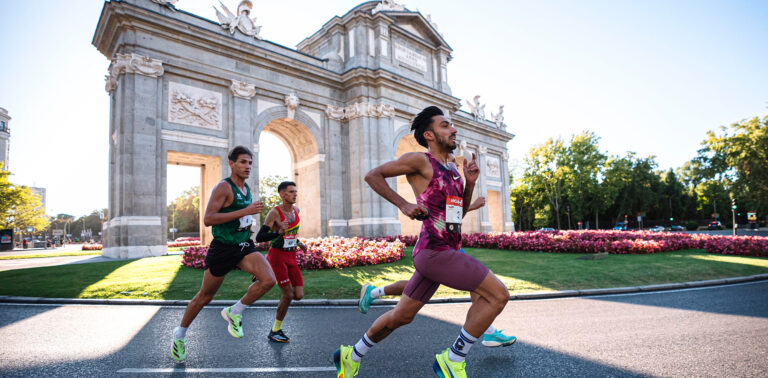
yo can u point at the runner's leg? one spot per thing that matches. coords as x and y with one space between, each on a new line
257 265
210 286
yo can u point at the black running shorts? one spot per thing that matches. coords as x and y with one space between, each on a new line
223 257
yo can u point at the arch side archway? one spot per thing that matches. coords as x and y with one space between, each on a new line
302 136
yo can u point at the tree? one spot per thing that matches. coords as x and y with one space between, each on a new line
184 211
545 173
269 195
635 183
92 222
583 166
19 206
739 157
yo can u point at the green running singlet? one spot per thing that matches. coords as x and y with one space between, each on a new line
238 230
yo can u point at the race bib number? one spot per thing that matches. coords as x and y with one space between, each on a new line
290 241
245 222
454 213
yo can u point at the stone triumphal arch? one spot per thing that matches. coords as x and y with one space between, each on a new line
185 90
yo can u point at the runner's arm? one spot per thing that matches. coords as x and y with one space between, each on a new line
477 203
216 203
265 234
410 163
471 173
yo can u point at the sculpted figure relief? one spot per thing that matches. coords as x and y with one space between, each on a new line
477 110
498 118
387 5
241 21
291 103
492 167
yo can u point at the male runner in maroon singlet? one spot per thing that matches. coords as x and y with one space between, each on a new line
492 337
440 193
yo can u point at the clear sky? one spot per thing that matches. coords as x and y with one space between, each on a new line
646 76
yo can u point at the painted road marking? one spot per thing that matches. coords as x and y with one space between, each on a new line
227 370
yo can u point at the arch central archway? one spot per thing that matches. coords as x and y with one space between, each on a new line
306 157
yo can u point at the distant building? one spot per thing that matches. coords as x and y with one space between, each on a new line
41 193
5 137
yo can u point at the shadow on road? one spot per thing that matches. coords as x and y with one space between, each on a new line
315 333
753 299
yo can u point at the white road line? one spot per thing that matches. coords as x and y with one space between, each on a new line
227 370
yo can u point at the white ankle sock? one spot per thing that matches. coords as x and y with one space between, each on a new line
180 332
238 308
461 346
361 348
377 292
490 330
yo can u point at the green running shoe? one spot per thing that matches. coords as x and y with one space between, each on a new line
497 339
179 349
365 298
235 322
445 368
345 366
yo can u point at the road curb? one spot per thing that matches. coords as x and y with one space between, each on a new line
353 302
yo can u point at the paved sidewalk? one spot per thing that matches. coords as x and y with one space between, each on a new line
37 251
51 261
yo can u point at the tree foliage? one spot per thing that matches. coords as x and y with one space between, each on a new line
184 211
19 206
268 193
579 180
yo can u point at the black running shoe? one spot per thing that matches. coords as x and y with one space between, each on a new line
278 337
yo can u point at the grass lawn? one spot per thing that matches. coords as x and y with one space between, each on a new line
164 277
50 254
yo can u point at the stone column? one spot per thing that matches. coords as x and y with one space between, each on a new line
505 196
334 187
241 133
135 227
369 126
482 188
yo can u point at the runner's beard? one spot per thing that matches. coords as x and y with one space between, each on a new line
448 144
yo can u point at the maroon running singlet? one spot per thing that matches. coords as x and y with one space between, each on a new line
436 256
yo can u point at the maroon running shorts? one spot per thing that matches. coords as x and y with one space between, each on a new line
451 268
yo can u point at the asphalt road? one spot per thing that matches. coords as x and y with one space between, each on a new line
714 331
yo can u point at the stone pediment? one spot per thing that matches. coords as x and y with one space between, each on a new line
416 24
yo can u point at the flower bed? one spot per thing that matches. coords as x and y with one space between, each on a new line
325 253
183 243
188 239
188 242
617 242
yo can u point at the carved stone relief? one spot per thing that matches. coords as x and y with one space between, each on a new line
492 167
291 103
131 63
360 109
193 106
243 89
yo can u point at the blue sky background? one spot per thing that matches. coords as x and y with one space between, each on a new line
646 76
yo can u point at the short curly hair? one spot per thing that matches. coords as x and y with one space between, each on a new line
239 150
422 123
